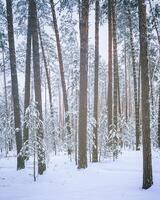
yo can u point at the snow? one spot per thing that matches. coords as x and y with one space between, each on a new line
119 180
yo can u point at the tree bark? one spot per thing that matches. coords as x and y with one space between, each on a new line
82 148
4 80
15 92
95 129
115 62
61 66
46 69
27 74
37 85
109 64
7 146
119 96
135 82
147 158
126 82
48 83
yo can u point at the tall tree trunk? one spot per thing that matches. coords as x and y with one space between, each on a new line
115 61
76 125
95 129
4 80
135 82
46 68
119 96
15 92
109 64
61 66
27 74
126 82
147 158
82 140
139 91
37 85
48 83
129 93
5 96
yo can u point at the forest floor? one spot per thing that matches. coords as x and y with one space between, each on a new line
119 180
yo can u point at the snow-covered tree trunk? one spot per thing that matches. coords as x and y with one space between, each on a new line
15 92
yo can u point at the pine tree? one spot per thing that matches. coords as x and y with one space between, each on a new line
82 135
109 64
27 74
147 158
15 92
46 69
135 81
95 129
37 83
63 83
115 63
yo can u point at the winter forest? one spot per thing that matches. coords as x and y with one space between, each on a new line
79 99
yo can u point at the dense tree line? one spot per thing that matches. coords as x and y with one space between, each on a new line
72 101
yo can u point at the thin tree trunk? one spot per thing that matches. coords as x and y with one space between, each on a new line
45 99
95 129
119 96
82 139
109 65
135 82
27 75
61 66
139 92
115 61
15 92
147 158
6 101
46 68
48 82
37 85
126 83
4 80
76 128
34 159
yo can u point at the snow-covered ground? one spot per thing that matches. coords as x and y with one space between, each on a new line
119 180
